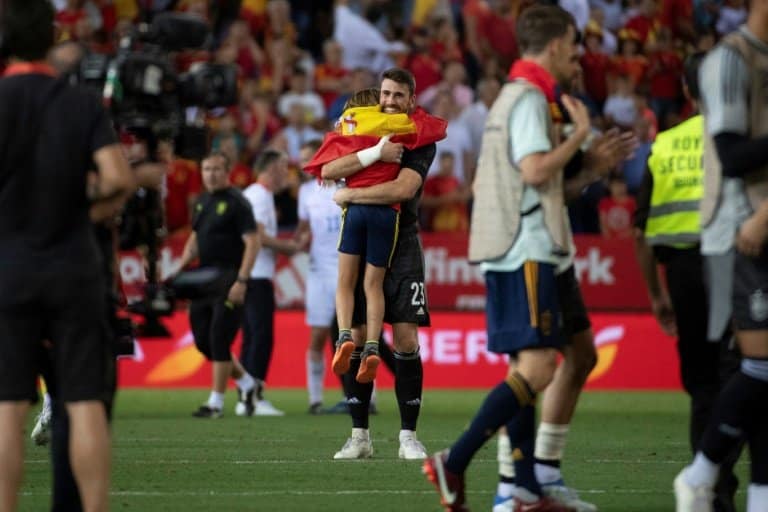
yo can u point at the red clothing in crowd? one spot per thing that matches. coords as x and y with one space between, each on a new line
665 69
500 34
323 71
240 175
451 217
673 11
616 216
633 67
644 26
596 67
425 68
183 182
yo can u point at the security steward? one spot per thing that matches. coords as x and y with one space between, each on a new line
224 236
667 232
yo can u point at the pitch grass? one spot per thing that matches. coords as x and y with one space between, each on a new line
623 453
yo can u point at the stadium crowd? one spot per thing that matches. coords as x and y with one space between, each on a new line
298 61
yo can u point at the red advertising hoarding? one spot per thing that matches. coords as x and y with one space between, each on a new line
633 353
609 275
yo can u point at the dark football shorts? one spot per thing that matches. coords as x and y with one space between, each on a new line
405 294
533 307
369 230
750 292
68 315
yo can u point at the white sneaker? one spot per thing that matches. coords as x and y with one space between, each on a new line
692 499
265 408
356 447
503 504
567 496
411 448
41 433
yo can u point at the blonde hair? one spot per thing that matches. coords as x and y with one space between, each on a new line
368 97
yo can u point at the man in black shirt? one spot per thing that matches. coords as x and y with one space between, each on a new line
404 291
50 136
224 236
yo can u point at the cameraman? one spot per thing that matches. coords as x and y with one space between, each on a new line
50 135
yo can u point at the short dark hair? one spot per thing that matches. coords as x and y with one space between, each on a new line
401 76
691 74
27 28
266 158
539 25
217 153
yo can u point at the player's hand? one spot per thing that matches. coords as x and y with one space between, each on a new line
608 150
236 293
343 197
391 152
579 115
752 235
665 314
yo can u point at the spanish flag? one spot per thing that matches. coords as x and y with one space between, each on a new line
362 127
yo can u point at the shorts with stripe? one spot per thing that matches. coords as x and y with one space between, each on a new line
532 307
369 230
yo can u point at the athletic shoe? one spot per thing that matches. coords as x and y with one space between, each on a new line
207 412
411 448
265 408
316 408
340 407
501 504
545 504
692 499
41 434
357 447
344 348
369 363
244 406
449 485
567 496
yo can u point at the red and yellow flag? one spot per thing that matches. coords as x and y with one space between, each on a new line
362 127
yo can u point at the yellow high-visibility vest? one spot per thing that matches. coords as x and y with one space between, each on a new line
676 164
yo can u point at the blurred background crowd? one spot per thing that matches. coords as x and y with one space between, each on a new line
298 61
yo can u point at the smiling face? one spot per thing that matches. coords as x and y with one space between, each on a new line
396 98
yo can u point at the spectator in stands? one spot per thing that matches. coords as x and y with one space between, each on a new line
616 210
630 61
240 175
733 14
473 117
330 74
249 55
182 186
457 140
301 94
295 133
664 70
454 78
613 13
677 17
595 65
360 78
445 198
621 107
445 45
425 67
645 22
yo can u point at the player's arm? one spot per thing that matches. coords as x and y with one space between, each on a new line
237 291
302 235
190 251
540 167
346 165
282 245
646 260
113 184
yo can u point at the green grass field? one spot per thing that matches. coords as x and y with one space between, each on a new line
623 453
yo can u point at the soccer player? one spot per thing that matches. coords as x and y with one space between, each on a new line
223 236
319 221
734 212
520 233
404 293
271 168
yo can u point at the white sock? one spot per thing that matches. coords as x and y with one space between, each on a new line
361 433
550 445
315 374
504 456
757 498
216 400
246 382
46 401
505 490
405 434
702 472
